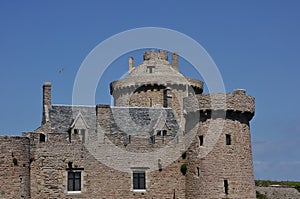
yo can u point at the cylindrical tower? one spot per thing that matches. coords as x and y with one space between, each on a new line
155 83
219 161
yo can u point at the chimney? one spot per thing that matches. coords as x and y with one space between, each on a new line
131 63
104 114
175 61
46 101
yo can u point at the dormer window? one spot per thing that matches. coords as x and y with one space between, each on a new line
161 132
81 133
79 128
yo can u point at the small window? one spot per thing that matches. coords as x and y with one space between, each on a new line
201 140
70 135
139 180
152 139
42 138
129 139
228 139
158 133
150 69
82 131
226 186
74 180
198 171
76 131
164 132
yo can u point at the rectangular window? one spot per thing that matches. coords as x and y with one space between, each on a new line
158 132
76 131
152 139
129 139
150 69
42 138
226 186
201 140
74 181
164 132
228 139
139 180
82 131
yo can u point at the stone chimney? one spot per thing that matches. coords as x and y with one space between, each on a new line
46 101
104 113
130 63
175 61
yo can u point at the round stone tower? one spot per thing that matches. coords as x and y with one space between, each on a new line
155 83
219 161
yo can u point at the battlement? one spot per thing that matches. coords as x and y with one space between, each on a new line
196 84
161 54
237 101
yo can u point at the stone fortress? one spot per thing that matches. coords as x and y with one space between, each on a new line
162 139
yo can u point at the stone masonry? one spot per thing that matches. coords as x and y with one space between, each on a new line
162 139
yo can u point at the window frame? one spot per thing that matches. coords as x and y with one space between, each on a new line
142 170
139 180
81 182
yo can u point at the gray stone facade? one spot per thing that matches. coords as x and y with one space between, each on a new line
162 138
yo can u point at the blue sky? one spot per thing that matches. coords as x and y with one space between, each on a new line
255 45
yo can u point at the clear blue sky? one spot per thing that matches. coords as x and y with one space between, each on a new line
255 45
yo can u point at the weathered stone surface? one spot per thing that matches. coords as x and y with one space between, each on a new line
156 108
14 167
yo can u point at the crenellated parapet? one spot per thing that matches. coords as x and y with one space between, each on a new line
161 54
196 84
236 101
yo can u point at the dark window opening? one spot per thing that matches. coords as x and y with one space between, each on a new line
158 133
42 138
76 131
226 186
198 171
150 69
201 140
139 180
167 98
129 139
164 132
70 165
228 139
152 139
74 181
70 136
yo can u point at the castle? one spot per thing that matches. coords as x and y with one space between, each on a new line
162 139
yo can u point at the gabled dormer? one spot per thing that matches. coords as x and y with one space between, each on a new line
79 128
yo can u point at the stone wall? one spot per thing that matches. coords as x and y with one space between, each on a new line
14 167
215 117
50 161
218 162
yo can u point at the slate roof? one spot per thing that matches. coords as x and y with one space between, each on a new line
143 121
62 117
129 120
